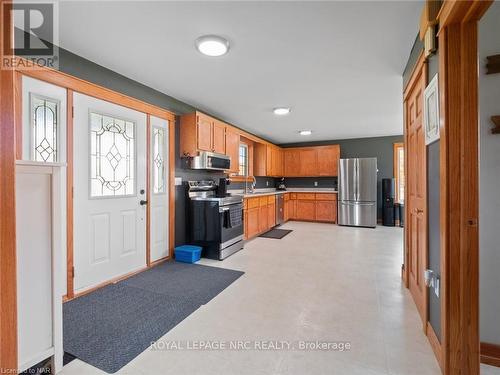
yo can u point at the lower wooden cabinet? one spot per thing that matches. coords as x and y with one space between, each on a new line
271 215
252 222
313 207
263 218
306 210
326 211
260 212
259 215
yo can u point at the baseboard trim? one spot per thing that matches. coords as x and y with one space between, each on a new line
490 354
435 344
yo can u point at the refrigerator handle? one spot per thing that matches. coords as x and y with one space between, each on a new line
356 179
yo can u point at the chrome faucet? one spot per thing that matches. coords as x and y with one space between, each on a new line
250 189
254 183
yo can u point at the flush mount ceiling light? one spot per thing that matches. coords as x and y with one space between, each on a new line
305 132
280 111
212 45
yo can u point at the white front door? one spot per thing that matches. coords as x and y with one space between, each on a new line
109 185
159 188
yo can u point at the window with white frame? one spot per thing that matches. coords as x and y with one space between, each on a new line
399 171
243 160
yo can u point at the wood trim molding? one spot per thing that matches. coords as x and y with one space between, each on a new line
91 89
459 11
70 274
411 82
171 192
458 83
435 344
73 84
18 105
490 354
8 296
148 192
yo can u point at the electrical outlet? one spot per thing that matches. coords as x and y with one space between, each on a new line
315 183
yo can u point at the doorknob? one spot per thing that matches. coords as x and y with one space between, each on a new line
419 211
142 203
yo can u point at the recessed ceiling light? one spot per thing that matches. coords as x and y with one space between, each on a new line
280 111
305 132
212 45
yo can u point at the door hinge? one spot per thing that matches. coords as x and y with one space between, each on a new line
72 112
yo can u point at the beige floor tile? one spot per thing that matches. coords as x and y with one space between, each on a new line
321 282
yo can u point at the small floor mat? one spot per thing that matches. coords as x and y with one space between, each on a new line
111 326
277 234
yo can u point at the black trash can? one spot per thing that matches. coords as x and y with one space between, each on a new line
401 215
397 217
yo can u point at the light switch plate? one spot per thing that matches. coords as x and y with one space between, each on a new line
178 181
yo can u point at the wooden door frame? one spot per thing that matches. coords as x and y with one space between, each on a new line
72 85
419 72
458 81
8 287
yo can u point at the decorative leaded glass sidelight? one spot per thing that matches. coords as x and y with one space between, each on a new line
158 160
112 156
44 128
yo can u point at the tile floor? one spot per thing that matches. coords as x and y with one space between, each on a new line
320 283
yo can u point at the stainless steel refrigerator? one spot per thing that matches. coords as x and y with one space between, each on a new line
357 198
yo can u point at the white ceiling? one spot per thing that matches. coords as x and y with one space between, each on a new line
337 64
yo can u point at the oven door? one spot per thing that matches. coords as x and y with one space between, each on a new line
231 224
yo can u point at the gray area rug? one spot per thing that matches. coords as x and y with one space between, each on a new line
277 234
111 326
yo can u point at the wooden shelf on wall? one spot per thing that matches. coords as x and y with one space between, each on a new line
493 65
496 121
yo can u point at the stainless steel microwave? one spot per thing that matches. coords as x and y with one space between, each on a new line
210 161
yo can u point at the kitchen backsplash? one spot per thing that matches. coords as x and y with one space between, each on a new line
311 182
292 182
262 183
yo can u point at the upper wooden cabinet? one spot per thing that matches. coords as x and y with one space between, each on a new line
233 149
291 162
204 134
200 132
219 137
311 161
268 160
328 160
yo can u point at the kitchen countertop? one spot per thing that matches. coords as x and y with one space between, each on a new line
264 192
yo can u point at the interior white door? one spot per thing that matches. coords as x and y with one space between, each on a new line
159 183
109 185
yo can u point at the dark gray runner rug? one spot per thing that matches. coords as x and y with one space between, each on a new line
277 234
111 326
